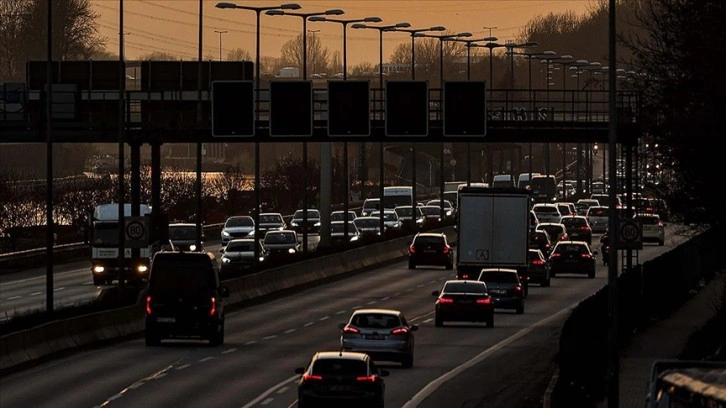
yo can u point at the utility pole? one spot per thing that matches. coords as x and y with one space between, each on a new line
220 42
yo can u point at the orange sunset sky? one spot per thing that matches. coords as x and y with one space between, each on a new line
171 26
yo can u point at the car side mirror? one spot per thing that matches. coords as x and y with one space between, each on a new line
300 370
435 293
414 327
341 326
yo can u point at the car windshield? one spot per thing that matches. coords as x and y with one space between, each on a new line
597 212
498 276
423 240
239 247
553 230
311 214
270 219
544 210
239 222
574 222
339 227
182 278
340 367
404 212
431 210
182 232
279 238
366 223
571 249
464 287
646 220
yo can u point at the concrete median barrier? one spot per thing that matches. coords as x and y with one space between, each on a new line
33 344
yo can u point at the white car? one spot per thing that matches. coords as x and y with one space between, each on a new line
652 227
237 227
547 212
390 219
597 216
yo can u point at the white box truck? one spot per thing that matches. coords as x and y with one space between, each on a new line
493 228
104 234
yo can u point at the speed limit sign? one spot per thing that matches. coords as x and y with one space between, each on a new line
136 232
631 236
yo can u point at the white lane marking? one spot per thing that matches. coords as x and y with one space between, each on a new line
420 286
357 307
428 320
324 318
372 302
396 294
435 384
36 293
308 324
385 298
205 359
88 283
181 367
340 312
14 297
269 337
271 390
282 390
250 342
61 288
232 350
159 374
288 331
267 401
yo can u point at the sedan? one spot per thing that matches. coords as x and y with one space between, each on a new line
430 248
384 334
302 222
337 233
572 257
238 256
505 288
463 301
578 228
340 378
237 227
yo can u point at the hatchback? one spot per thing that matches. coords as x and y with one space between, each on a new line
547 212
463 301
652 228
597 217
540 239
340 215
539 268
505 288
556 230
578 229
430 248
384 334
369 227
342 378
337 233
572 257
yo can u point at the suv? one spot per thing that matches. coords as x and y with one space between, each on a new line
370 205
184 298
430 248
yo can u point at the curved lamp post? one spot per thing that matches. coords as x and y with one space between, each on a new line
258 11
381 29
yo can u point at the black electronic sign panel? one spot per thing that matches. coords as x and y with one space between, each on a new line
233 112
291 108
349 108
465 111
407 108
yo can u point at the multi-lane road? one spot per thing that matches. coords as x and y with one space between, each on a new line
455 366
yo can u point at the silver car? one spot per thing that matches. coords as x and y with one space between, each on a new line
384 334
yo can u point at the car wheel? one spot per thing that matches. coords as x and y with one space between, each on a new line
438 322
490 321
98 281
591 274
217 337
411 265
661 242
151 336
546 283
520 308
450 266
553 274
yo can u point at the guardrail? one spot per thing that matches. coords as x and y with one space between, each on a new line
26 346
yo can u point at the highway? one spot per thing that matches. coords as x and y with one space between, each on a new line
456 365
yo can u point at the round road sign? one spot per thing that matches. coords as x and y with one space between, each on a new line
135 230
629 232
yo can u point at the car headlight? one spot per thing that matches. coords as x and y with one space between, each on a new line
291 250
142 268
98 269
226 260
448 213
225 234
317 224
293 223
192 247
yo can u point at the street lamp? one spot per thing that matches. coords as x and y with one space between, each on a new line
345 23
413 32
220 42
305 16
258 11
510 50
491 44
468 44
381 29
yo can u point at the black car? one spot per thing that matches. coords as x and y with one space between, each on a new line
540 239
239 256
572 257
430 248
505 288
184 298
281 244
539 268
299 224
270 222
578 228
341 378
463 301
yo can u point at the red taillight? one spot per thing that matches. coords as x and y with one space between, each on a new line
350 329
446 300
411 249
311 377
555 255
518 288
484 301
585 228
148 305
586 256
400 330
366 378
538 262
213 306
464 276
660 223
447 249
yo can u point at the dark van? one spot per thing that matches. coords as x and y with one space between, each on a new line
184 298
543 188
